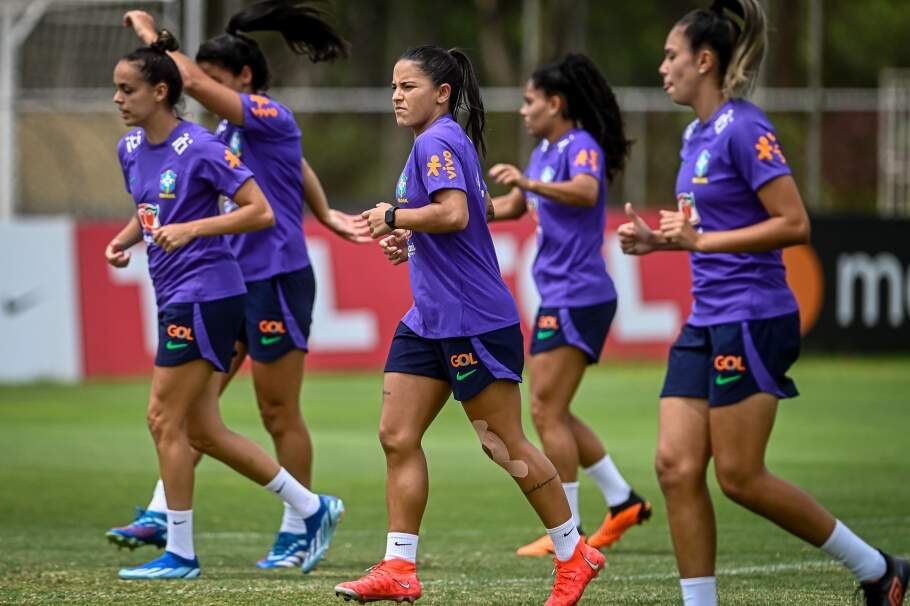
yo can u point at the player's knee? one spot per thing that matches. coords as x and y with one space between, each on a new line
397 441
161 425
278 416
505 452
545 415
738 483
674 471
202 439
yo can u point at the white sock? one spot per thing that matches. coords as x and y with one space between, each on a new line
158 502
571 489
700 591
402 546
294 493
291 521
565 538
865 562
180 533
611 483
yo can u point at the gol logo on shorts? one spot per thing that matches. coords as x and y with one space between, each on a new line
272 327
722 363
180 332
548 322
465 359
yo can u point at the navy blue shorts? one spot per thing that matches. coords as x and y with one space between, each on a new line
727 363
584 328
468 364
199 331
278 314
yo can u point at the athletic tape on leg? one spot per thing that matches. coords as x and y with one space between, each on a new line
497 450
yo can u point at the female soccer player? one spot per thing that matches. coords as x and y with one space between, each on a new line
462 333
570 107
738 206
229 78
175 171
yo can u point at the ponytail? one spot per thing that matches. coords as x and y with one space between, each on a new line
304 27
737 31
589 102
453 67
157 67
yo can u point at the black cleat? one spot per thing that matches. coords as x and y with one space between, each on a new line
891 588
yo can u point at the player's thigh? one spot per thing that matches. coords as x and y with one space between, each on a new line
740 434
410 403
683 438
554 378
277 383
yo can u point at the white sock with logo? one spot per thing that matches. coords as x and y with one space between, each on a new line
180 533
402 546
699 591
565 538
611 483
291 521
294 493
571 490
864 561
159 501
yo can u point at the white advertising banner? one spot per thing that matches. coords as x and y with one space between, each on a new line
39 305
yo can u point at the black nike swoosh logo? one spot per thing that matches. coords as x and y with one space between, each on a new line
397 544
280 488
179 523
567 534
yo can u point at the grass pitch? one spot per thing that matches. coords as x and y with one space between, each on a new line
74 460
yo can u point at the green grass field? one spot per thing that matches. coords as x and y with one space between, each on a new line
74 460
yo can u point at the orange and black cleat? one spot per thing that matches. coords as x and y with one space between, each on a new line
621 518
891 589
573 575
394 580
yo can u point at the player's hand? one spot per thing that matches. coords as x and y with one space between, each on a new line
636 237
173 236
143 24
116 255
676 230
395 246
349 227
375 218
509 175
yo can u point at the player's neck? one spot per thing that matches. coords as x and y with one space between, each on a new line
558 131
159 127
707 103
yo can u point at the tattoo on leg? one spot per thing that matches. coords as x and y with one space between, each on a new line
542 484
386 392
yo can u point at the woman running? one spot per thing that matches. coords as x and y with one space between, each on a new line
738 206
570 107
175 171
229 78
462 333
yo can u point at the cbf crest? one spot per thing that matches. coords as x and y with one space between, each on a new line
235 144
701 168
547 174
401 190
167 184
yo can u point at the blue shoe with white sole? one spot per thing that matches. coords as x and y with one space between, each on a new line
287 551
167 567
321 528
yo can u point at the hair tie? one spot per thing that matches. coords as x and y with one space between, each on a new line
166 41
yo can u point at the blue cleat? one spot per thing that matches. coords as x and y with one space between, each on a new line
320 530
288 551
147 528
168 566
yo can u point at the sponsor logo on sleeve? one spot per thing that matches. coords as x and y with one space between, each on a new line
231 158
768 148
181 143
263 109
588 157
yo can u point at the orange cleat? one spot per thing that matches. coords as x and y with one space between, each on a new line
538 548
393 579
620 519
573 575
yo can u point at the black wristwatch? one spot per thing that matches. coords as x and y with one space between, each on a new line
390 216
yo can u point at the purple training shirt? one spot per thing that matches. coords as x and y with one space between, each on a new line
569 268
178 181
269 144
455 278
725 162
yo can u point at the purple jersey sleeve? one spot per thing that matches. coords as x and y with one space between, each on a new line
265 117
585 157
439 167
221 168
756 152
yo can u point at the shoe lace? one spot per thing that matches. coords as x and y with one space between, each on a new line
282 542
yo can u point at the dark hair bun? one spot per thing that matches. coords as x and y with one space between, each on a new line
166 42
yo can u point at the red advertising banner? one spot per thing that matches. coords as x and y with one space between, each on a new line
360 298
